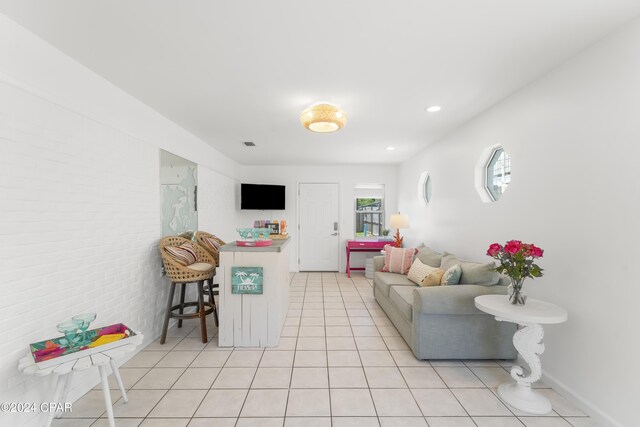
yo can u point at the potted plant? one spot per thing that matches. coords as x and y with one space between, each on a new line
516 260
385 234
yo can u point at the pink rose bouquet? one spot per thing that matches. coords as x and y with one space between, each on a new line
516 260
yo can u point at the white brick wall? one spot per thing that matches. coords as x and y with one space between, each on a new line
79 206
80 223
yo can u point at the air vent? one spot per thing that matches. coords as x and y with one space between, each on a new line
249 144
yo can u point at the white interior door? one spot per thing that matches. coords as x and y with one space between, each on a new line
318 221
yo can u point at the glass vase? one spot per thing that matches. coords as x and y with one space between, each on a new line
516 294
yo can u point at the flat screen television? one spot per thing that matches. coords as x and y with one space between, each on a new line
261 197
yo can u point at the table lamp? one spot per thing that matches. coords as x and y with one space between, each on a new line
398 221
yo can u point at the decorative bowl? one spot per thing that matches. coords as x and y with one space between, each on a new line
245 233
251 234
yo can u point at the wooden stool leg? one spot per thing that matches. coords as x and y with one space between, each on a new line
167 316
201 311
213 302
182 286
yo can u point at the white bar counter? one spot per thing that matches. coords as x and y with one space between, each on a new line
254 320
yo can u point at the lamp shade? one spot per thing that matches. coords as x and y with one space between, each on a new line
399 221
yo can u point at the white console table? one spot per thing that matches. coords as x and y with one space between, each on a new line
64 373
528 342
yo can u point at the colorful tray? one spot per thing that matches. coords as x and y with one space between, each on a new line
256 243
56 350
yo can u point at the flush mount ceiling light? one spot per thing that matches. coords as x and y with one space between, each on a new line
433 109
323 118
390 148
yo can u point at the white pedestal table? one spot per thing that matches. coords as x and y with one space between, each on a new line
528 341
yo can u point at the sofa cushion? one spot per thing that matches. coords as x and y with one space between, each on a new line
430 257
473 273
402 298
383 281
453 300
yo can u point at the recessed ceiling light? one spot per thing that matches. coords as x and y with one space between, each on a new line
390 148
433 109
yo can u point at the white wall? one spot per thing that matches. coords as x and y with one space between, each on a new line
573 137
346 176
79 205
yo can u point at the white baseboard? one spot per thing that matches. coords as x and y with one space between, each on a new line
583 404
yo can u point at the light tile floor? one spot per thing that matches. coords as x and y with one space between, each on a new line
340 363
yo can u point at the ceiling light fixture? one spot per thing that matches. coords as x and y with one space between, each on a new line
390 148
433 109
323 118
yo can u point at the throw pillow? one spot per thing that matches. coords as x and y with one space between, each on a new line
418 271
473 273
212 243
398 260
184 254
451 276
433 278
429 256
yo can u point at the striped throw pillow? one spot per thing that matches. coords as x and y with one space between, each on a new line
212 243
398 260
184 254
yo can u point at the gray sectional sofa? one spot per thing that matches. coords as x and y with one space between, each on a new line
442 322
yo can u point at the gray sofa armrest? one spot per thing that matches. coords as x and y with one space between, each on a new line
378 263
453 299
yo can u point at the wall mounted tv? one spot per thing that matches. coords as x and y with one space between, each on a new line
261 197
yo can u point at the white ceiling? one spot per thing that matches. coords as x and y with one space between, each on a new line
234 71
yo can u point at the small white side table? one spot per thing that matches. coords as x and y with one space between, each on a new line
528 342
64 373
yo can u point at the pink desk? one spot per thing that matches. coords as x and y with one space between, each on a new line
362 246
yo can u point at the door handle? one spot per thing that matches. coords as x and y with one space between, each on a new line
334 234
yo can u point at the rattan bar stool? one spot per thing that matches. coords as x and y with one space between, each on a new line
201 272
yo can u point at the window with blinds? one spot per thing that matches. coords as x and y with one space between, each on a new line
369 210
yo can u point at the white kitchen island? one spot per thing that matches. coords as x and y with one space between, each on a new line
253 320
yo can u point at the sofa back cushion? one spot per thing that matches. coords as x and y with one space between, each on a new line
473 273
428 256
398 260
